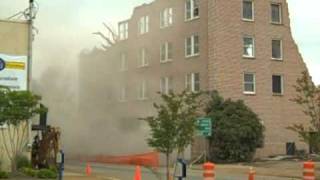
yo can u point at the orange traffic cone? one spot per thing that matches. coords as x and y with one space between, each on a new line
137 175
252 173
88 169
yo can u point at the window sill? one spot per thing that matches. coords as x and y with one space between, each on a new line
165 27
249 93
143 66
142 99
276 23
247 20
249 57
141 34
193 91
123 40
278 94
191 56
277 59
192 19
166 61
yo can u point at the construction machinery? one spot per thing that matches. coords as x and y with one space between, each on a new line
45 146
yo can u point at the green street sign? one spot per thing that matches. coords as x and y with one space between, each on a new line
204 127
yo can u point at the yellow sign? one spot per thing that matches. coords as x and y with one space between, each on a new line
15 65
13 72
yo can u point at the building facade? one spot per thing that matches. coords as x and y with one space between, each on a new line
14 38
242 48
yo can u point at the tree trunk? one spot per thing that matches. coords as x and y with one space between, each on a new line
168 165
14 165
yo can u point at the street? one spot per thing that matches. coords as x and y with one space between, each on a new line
224 172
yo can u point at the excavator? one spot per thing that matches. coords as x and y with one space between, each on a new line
45 146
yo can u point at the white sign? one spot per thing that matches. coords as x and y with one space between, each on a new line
14 72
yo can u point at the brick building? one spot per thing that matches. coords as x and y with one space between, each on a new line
242 48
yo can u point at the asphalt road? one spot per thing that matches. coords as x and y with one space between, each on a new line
127 173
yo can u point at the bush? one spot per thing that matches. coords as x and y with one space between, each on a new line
29 172
237 130
4 175
47 174
23 162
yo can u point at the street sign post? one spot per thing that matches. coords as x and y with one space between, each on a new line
204 127
205 130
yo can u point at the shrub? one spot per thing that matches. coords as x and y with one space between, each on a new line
46 174
237 130
29 172
4 175
54 169
22 162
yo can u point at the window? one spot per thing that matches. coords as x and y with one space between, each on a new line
248 47
123 62
166 52
249 83
165 85
123 30
143 59
248 10
142 90
192 9
143 25
276 16
166 17
277 84
277 49
193 82
192 46
123 94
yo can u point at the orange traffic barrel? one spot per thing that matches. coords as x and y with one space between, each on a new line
137 175
208 171
252 173
308 171
88 169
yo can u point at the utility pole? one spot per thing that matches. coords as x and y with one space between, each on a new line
30 41
29 63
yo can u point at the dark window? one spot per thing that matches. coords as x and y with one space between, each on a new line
249 83
248 47
276 13
192 9
169 51
277 84
247 9
195 9
163 52
196 44
196 82
276 49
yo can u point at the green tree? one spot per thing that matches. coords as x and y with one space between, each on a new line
308 96
174 126
16 108
237 130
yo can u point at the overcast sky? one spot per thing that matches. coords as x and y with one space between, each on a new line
66 27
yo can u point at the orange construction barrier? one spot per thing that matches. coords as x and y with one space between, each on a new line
308 171
252 173
137 175
208 173
88 169
148 159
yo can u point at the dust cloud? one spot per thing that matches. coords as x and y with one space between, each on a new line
80 99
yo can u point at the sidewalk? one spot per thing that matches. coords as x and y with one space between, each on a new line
78 176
